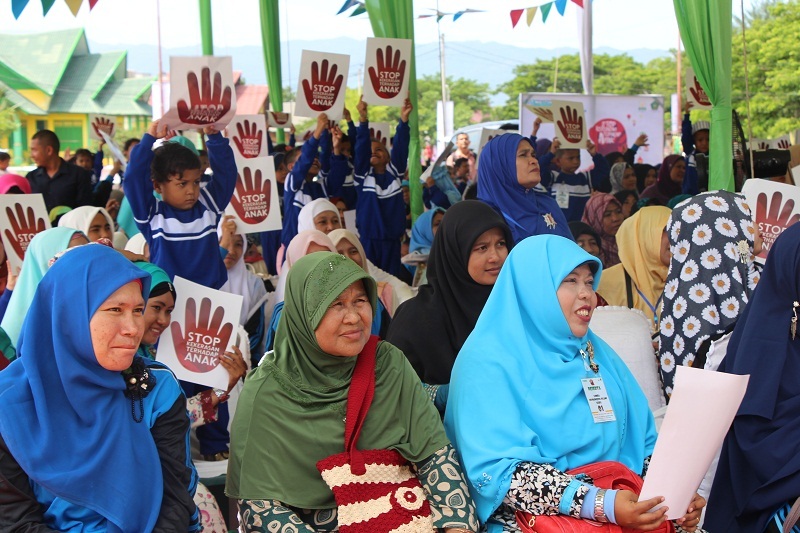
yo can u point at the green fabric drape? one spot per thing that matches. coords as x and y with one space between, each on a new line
271 42
706 33
395 19
206 34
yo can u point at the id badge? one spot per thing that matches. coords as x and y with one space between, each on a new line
562 199
599 402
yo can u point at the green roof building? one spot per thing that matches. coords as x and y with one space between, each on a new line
55 83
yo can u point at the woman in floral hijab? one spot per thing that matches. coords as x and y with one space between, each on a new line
713 241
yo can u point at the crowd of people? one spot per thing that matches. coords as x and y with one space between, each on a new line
389 376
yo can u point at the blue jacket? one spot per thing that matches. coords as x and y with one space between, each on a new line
297 192
183 242
578 186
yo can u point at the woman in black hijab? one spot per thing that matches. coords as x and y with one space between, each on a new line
468 251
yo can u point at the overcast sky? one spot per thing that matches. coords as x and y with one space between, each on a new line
621 24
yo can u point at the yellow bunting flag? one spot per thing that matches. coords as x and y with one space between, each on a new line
74 6
530 13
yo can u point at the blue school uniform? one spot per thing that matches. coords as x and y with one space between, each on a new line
575 188
183 241
297 191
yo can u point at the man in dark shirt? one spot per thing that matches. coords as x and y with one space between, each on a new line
60 182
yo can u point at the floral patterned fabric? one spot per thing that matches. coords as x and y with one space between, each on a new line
451 505
711 275
210 516
200 409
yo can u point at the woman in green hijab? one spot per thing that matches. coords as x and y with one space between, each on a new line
292 409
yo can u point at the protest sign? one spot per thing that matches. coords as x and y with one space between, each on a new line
381 132
201 331
613 122
695 94
102 123
279 120
115 150
247 133
22 216
386 71
201 93
570 121
255 202
487 135
777 206
322 84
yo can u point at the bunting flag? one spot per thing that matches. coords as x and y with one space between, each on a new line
347 5
92 3
531 12
17 6
546 11
359 10
578 2
515 16
46 5
74 6
561 6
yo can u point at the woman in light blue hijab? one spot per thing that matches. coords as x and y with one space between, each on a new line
41 249
517 412
424 230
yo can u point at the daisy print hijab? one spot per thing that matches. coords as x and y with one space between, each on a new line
710 278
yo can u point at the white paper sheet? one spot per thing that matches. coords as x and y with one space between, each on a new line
322 83
255 203
775 206
202 92
695 92
570 121
701 409
386 71
246 133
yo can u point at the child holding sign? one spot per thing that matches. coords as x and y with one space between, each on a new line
380 211
183 224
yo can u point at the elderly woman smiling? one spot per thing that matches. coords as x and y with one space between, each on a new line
295 407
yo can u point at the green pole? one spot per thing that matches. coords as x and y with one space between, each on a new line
206 33
395 19
271 43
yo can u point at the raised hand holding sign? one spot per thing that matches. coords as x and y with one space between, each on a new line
570 123
201 332
387 70
207 100
22 216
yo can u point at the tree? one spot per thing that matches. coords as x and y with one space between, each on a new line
8 117
772 62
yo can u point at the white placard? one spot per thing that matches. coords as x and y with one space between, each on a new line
322 83
570 121
487 135
279 120
102 123
760 144
679 463
613 121
350 221
695 94
247 133
201 93
22 216
382 132
115 150
776 206
541 108
255 203
202 329
386 71
781 143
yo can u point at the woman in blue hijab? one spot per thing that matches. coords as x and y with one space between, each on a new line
508 173
758 477
92 438
517 412
424 230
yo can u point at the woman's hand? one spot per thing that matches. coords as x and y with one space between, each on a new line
632 513
691 519
234 363
11 281
228 231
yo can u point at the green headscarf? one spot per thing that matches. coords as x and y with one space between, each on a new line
157 274
290 413
183 141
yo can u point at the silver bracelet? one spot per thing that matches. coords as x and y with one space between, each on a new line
599 511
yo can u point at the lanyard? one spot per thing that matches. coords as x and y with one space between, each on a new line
653 308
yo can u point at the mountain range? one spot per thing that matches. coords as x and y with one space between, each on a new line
486 62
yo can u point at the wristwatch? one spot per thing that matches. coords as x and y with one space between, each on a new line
599 511
222 395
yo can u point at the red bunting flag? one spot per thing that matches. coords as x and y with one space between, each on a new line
516 14
92 3
578 2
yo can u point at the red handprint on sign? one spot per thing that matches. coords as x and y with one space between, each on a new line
378 136
205 106
324 87
206 338
103 124
280 119
699 94
388 79
783 144
23 228
571 125
773 215
251 200
762 145
249 140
